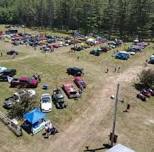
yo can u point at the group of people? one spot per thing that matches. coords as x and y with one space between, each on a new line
37 77
116 69
49 129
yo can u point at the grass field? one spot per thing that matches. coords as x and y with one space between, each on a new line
134 128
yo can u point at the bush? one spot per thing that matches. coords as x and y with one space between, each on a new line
147 78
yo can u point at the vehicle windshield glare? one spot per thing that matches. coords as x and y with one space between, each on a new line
45 99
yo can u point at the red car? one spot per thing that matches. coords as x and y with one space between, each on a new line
80 83
55 45
151 91
24 82
141 96
70 91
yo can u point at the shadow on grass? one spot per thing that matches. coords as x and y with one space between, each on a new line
105 146
139 86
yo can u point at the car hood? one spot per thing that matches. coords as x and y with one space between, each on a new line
46 106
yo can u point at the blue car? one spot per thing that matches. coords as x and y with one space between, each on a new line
122 55
151 59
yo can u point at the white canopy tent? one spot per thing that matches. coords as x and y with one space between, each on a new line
120 148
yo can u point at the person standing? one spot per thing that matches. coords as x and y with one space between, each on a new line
107 70
118 69
115 69
127 108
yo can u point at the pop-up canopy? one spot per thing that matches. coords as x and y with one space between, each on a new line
34 116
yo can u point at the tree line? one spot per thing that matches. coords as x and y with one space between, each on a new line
126 17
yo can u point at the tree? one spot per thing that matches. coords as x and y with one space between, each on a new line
147 78
19 108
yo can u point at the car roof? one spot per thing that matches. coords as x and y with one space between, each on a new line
3 68
76 68
24 78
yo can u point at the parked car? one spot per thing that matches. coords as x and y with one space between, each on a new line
146 93
17 97
46 102
8 72
80 83
2 69
96 51
151 91
151 59
141 96
70 90
79 48
24 82
105 49
58 99
12 52
75 71
122 55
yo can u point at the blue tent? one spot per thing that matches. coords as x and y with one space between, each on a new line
34 116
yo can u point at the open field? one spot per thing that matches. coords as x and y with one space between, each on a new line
88 120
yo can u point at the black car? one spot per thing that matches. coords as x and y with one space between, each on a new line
141 96
58 99
75 71
94 52
6 73
77 48
12 52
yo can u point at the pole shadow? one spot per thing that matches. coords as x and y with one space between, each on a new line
105 146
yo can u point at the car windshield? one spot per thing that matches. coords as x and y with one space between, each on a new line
45 99
73 92
82 82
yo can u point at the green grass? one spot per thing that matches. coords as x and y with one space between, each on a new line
52 68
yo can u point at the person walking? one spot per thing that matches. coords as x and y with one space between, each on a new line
127 108
115 69
39 78
118 69
107 70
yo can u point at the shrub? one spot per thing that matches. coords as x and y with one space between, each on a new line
147 78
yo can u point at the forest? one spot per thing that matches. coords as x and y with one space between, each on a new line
125 17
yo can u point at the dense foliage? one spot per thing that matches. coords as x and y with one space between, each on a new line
147 78
127 17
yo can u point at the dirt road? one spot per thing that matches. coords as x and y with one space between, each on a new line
84 127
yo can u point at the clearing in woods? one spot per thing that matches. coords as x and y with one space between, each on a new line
86 122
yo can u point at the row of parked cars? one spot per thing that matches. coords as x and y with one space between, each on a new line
145 93
132 50
45 42
110 45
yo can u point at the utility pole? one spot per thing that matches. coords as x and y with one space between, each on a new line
113 136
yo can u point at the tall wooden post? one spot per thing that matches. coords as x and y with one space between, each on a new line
114 117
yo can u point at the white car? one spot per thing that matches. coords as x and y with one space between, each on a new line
132 53
46 102
2 69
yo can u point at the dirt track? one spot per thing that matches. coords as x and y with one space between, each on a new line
84 127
